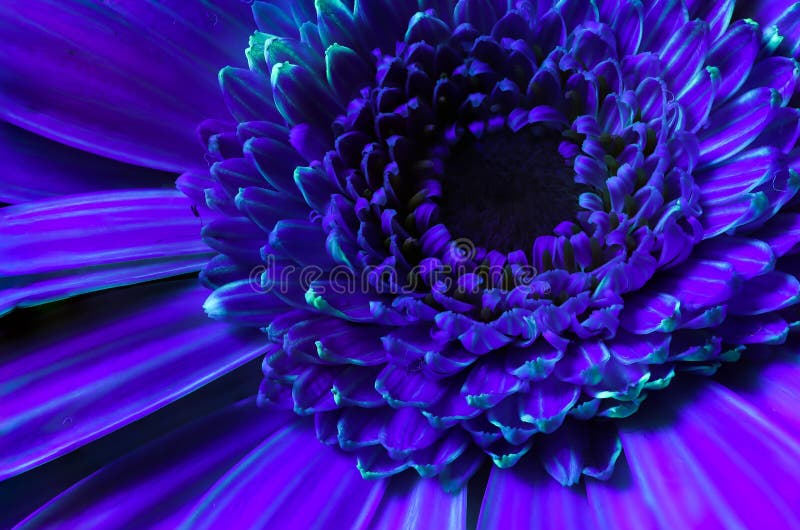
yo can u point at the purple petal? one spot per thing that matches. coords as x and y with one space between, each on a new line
547 402
729 215
649 312
779 73
577 449
583 363
126 80
61 247
410 502
183 465
527 498
685 53
663 19
408 388
96 370
244 303
734 54
488 383
627 25
782 233
698 97
749 257
738 175
769 292
36 168
705 467
289 481
628 348
732 127
717 14
761 329
700 284
407 431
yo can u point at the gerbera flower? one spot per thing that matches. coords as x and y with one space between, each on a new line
467 239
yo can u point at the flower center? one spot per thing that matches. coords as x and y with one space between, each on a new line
506 189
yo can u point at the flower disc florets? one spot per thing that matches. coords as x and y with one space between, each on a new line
468 228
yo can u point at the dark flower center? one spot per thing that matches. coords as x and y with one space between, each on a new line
504 190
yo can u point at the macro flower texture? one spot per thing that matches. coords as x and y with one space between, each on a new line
400 264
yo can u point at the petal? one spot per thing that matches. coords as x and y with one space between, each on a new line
768 328
650 311
96 370
627 25
779 73
301 97
247 95
734 54
749 257
708 465
685 53
577 449
183 464
56 248
782 233
740 174
717 14
244 303
763 294
729 215
698 97
289 481
733 126
410 502
126 80
38 168
524 497
700 283
546 403
663 19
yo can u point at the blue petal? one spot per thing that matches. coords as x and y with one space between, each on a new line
685 53
703 468
67 83
93 371
732 127
766 293
734 54
37 168
291 481
56 248
183 464
413 503
526 498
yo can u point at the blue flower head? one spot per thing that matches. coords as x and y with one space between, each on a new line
544 211
467 237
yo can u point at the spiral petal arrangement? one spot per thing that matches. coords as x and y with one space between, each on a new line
542 210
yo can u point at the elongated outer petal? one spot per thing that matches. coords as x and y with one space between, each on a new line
114 358
61 247
411 502
128 80
156 484
524 497
289 481
38 168
702 468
